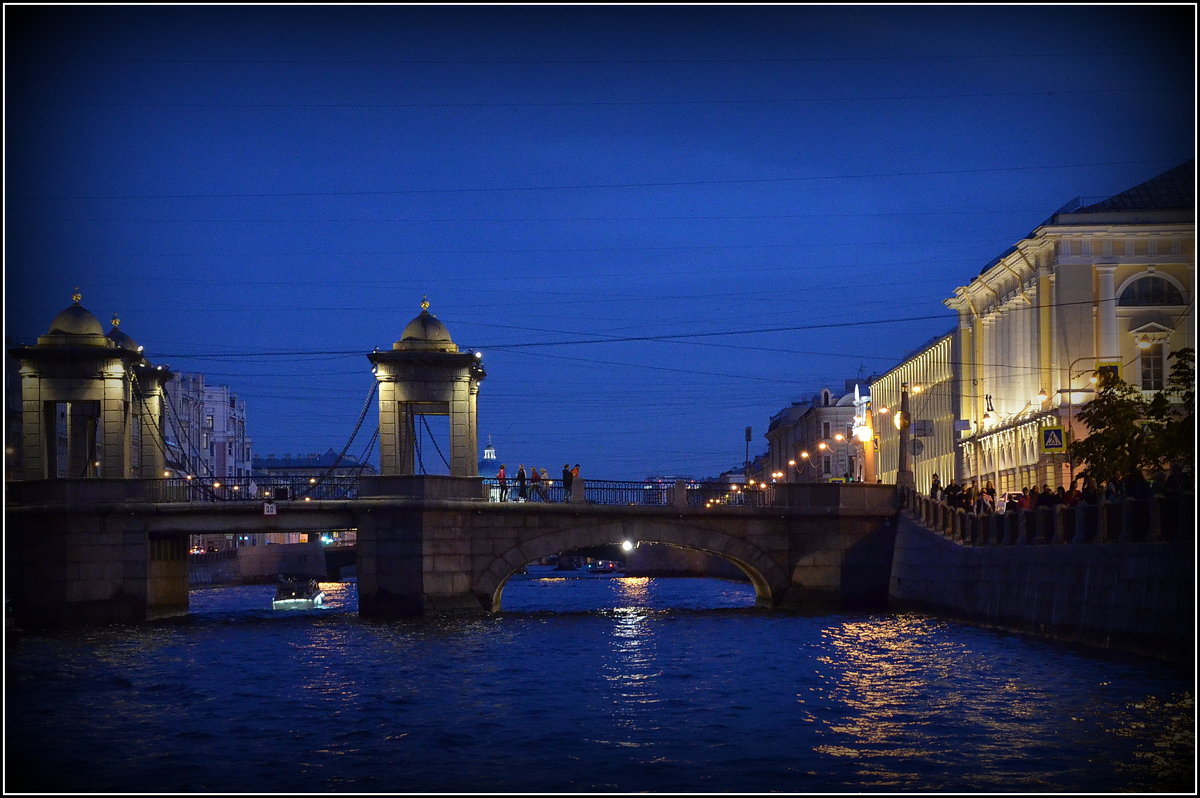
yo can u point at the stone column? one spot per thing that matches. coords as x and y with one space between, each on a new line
1106 316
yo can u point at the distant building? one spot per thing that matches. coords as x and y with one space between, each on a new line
783 439
931 374
825 435
206 427
489 465
312 465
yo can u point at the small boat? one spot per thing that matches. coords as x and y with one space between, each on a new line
605 567
297 593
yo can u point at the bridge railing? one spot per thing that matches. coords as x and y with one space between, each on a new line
645 493
204 489
1159 518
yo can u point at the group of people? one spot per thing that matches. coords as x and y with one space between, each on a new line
985 500
535 485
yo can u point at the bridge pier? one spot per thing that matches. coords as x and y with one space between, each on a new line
90 564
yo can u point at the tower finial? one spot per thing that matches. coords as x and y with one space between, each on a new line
425 302
116 322
77 296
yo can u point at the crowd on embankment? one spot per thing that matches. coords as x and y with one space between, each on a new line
972 498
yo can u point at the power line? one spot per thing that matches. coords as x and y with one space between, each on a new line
580 186
603 61
603 103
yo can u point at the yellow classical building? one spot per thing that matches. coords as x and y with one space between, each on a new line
931 376
1105 283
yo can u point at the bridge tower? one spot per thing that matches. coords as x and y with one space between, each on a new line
91 437
91 404
425 374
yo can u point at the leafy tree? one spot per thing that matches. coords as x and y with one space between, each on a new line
1127 431
1172 415
1116 443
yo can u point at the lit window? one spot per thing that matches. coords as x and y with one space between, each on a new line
1152 368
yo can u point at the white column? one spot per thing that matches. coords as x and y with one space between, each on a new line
1106 316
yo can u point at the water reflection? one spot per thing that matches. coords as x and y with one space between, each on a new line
624 691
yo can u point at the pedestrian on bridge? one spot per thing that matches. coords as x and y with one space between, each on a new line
522 484
567 479
538 483
502 481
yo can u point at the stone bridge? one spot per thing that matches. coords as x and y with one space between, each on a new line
111 558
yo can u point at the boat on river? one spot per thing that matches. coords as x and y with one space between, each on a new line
606 567
297 593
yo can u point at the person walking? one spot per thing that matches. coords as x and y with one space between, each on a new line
535 484
935 488
574 476
502 481
540 481
566 480
522 484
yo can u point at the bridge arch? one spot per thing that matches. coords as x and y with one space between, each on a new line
769 579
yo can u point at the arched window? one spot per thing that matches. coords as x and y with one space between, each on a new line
1150 290
825 398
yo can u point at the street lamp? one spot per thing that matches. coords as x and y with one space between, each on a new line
805 463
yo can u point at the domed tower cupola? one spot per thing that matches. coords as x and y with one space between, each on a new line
74 326
425 374
86 410
120 338
426 333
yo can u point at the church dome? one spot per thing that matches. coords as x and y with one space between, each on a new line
426 332
76 320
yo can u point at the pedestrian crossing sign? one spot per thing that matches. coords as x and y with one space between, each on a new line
1053 440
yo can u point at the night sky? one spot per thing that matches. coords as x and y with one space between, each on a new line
659 224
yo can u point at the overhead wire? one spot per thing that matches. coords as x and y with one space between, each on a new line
584 186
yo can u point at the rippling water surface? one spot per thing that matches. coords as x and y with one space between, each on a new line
601 685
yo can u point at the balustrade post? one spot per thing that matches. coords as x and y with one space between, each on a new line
1134 519
1082 525
1026 526
1154 514
1062 523
1012 525
1110 521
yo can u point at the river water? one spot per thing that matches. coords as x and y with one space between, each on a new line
584 685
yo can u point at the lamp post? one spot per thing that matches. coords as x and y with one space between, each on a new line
1070 391
904 474
805 464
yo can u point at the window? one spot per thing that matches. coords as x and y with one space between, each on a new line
1152 368
824 429
825 464
1150 290
208 421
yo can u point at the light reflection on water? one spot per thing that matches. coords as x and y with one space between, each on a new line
602 685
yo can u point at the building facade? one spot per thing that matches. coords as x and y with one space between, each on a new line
207 426
783 440
825 445
930 374
1100 284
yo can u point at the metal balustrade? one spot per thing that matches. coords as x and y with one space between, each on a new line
198 489
611 492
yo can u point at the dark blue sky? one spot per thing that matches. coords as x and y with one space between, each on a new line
264 194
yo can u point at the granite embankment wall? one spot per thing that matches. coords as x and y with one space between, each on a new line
1118 575
254 564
